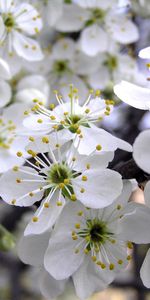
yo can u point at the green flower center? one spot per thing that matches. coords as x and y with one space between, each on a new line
98 14
60 66
96 233
58 174
9 21
111 62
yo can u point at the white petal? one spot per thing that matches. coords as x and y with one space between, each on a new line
145 270
93 40
26 47
46 216
26 17
4 70
89 279
101 188
63 49
122 29
29 94
31 249
145 53
50 287
37 82
147 194
2 28
100 79
135 225
60 255
8 160
5 93
136 96
141 151
55 11
11 190
72 19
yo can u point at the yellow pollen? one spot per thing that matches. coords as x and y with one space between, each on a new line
103 266
57 145
77 226
86 251
84 178
18 180
119 206
31 139
120 262
61 185
34 48
74 237
111 267
97 93
80 213
31 194
78 131
74 159
130 245
82 190
39 121
45 139
87 111
26 113
94 258
73 197
46 205
148 65
52 106
107 113
113 241
99 263
88 166
32 153
129 257
35 219
98 147
15 168
19 154
13 202
52 118
35 100
55 127
66 181
65 113
59 203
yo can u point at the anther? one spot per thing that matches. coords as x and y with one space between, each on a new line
84 178
35 219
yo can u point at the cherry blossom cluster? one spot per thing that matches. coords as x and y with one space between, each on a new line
64 68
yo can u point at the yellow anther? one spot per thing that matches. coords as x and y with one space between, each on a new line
98 147
86 251
76 251
46 205
80 213
19 154
73 233
91 91
55 127
26 113
84 178
66 181
66 113
34 47
97 93
103 266
87 111
77 225
31 194
74 237
82 190
61 185
81 136
129 257
13 202
73 197
75 90
36 30
119 206
32 153
99 263
59 203
100 118
111 267
39 121
52 106
45 139
35 100
78 131
35 219
52 118
120 262
88 166
15 168
130 245
57 145
113 241
94 258
35 107
148 65
108 108
18 180
74 159
31 139
107 113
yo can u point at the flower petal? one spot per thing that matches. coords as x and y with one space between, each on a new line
144 272
141 151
